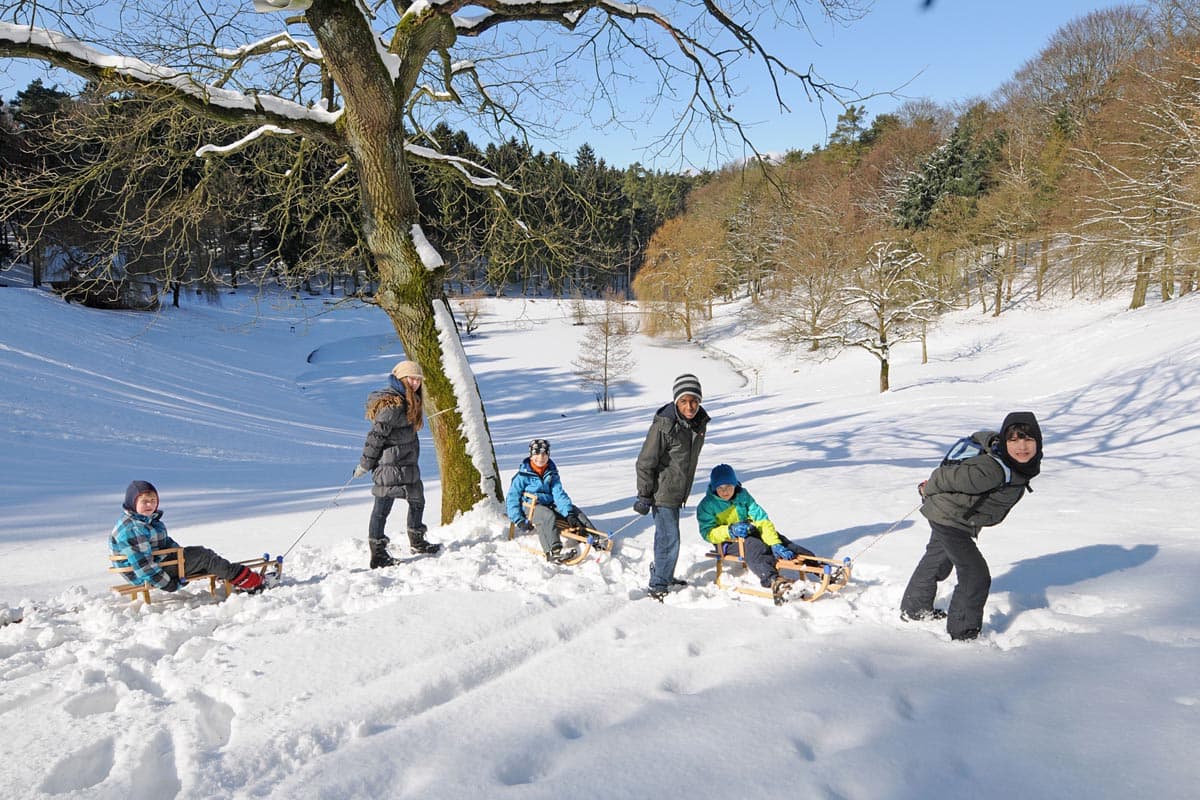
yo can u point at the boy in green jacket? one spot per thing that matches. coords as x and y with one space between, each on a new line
728 511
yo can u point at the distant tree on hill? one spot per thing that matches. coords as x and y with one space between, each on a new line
606 353
887 302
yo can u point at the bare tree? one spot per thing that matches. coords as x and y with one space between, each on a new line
367 77
606 356
887 303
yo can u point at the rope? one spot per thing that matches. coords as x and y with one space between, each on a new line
613 535
893 527
319 515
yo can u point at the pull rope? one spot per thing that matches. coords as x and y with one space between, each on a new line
328 506
614 534
893 527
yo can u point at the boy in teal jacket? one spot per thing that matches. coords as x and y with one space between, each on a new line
728 511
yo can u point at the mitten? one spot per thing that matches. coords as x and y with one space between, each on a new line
525 526
782 552
739 530
172 584
643 505
573 518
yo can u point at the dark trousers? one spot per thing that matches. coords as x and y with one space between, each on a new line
383 507
544 519
950 548
202 561
761 560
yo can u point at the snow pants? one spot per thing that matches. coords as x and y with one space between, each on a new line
950 548
761 560
202 561
543 519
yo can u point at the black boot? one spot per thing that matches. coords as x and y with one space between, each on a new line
558 554
416 540
379 554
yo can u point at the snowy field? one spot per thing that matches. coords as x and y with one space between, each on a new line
485 673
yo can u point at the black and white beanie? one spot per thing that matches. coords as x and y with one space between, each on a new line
687 384
539 446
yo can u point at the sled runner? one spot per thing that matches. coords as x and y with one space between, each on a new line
589 539
818 575
173 557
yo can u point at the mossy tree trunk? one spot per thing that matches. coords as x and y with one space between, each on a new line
373 125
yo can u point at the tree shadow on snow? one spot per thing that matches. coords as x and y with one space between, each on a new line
1028 580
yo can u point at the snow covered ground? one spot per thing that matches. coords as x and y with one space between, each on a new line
487 673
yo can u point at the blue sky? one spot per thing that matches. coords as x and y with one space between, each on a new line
955 50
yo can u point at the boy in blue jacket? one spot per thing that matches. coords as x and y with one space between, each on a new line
728 511
140 530
539 476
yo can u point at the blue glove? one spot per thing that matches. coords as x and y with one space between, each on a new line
739 530
782 552
643 505
525 526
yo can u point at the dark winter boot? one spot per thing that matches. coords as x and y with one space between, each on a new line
558 555
416 540
379 554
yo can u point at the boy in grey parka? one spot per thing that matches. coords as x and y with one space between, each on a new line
961 498
666 468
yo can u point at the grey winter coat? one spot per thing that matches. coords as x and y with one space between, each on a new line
666 467
974 493
392 449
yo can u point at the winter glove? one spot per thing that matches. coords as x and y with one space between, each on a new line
359 471
573 518
524 526
643 505
739 530
921 488
172 584
782 553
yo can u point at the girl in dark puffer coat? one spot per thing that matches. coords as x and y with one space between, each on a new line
392 452
960 498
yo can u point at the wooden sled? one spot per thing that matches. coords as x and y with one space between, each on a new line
589 538
817 575
173 557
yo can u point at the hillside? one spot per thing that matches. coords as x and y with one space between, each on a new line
487 673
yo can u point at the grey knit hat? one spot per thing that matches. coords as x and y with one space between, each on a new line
687 384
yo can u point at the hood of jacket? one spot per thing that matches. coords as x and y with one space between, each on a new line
1034 465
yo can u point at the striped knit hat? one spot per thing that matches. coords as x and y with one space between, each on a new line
687 384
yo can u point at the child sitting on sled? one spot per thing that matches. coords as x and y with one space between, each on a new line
538 476
728 512
141 530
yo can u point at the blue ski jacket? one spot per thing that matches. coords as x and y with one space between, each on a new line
547 487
